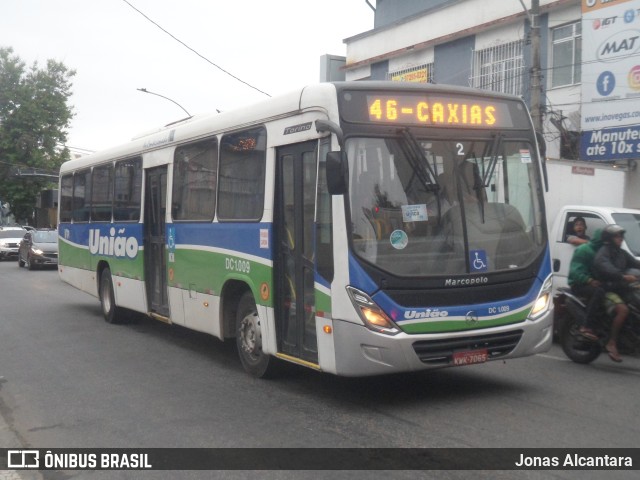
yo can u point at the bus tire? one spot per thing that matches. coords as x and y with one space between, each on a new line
249 339
112 313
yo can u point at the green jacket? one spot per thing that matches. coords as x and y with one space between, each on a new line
581 268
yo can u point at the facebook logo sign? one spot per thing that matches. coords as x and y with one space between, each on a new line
606 83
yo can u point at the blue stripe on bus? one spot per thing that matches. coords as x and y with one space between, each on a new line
483 310
244 238
248 238
359 279
78 233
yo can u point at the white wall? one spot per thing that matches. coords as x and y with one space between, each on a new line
632 189
606 187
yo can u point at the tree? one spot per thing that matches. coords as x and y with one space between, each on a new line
34 118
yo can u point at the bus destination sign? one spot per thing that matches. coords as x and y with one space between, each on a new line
433 109
437 111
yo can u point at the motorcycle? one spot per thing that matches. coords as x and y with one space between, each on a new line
571 311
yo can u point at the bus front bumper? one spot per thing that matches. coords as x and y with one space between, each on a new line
362 352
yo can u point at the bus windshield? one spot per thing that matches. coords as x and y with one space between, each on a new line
426 207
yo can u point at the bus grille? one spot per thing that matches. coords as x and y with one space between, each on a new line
440 352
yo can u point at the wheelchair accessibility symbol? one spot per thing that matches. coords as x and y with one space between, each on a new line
478 260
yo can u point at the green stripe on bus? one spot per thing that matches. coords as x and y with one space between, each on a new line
206 272
460 325
78 257
323 304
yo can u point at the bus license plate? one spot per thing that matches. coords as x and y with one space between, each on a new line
470 357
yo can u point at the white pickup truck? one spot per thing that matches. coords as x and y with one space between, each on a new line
595 217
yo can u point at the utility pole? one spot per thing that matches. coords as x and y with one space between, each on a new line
536 74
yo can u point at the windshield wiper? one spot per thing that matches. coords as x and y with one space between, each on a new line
493 153
420 165
418 160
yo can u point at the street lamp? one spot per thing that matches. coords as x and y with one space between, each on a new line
144 90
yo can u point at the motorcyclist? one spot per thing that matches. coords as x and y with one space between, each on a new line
611 266
584 284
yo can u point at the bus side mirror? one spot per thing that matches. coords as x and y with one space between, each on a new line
337 173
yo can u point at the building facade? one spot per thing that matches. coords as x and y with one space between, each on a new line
589 57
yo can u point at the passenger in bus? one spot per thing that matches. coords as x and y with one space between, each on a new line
577 232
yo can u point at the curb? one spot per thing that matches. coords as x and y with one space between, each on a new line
9 440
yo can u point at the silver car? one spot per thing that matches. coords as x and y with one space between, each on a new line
38 248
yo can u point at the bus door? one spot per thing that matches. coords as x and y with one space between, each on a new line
294 266
155 262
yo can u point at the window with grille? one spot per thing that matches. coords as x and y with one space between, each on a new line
418 74
499 68
566 54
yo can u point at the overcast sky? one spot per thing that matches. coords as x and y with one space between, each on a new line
273 45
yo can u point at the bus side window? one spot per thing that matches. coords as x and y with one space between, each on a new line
242 175
66 198
195 171
128 190
102 193
81 196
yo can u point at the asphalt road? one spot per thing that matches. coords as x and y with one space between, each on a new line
69 379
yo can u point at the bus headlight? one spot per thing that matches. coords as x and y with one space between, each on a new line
371 314
542 303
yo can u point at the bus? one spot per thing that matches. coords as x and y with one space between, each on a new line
355 228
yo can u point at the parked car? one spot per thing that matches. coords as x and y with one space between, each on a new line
38 248
10 238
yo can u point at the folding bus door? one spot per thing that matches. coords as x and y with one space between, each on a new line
155 261
294 261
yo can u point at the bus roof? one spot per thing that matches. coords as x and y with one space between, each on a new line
320 96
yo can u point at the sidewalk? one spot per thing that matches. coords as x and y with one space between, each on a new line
9 440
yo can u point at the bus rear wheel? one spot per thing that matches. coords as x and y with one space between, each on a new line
249 340
112 314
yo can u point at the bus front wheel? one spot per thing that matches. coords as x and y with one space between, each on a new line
249 339
112 314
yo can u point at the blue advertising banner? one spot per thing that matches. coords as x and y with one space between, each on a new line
610 144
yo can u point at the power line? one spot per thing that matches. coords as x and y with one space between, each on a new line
79 149
195 51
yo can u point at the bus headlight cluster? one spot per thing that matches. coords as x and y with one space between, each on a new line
541 305
371 314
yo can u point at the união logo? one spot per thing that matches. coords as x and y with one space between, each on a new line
428 313
112 245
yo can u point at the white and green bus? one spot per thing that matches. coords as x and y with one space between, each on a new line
356 228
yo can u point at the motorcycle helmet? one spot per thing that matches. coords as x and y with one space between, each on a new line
611 231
